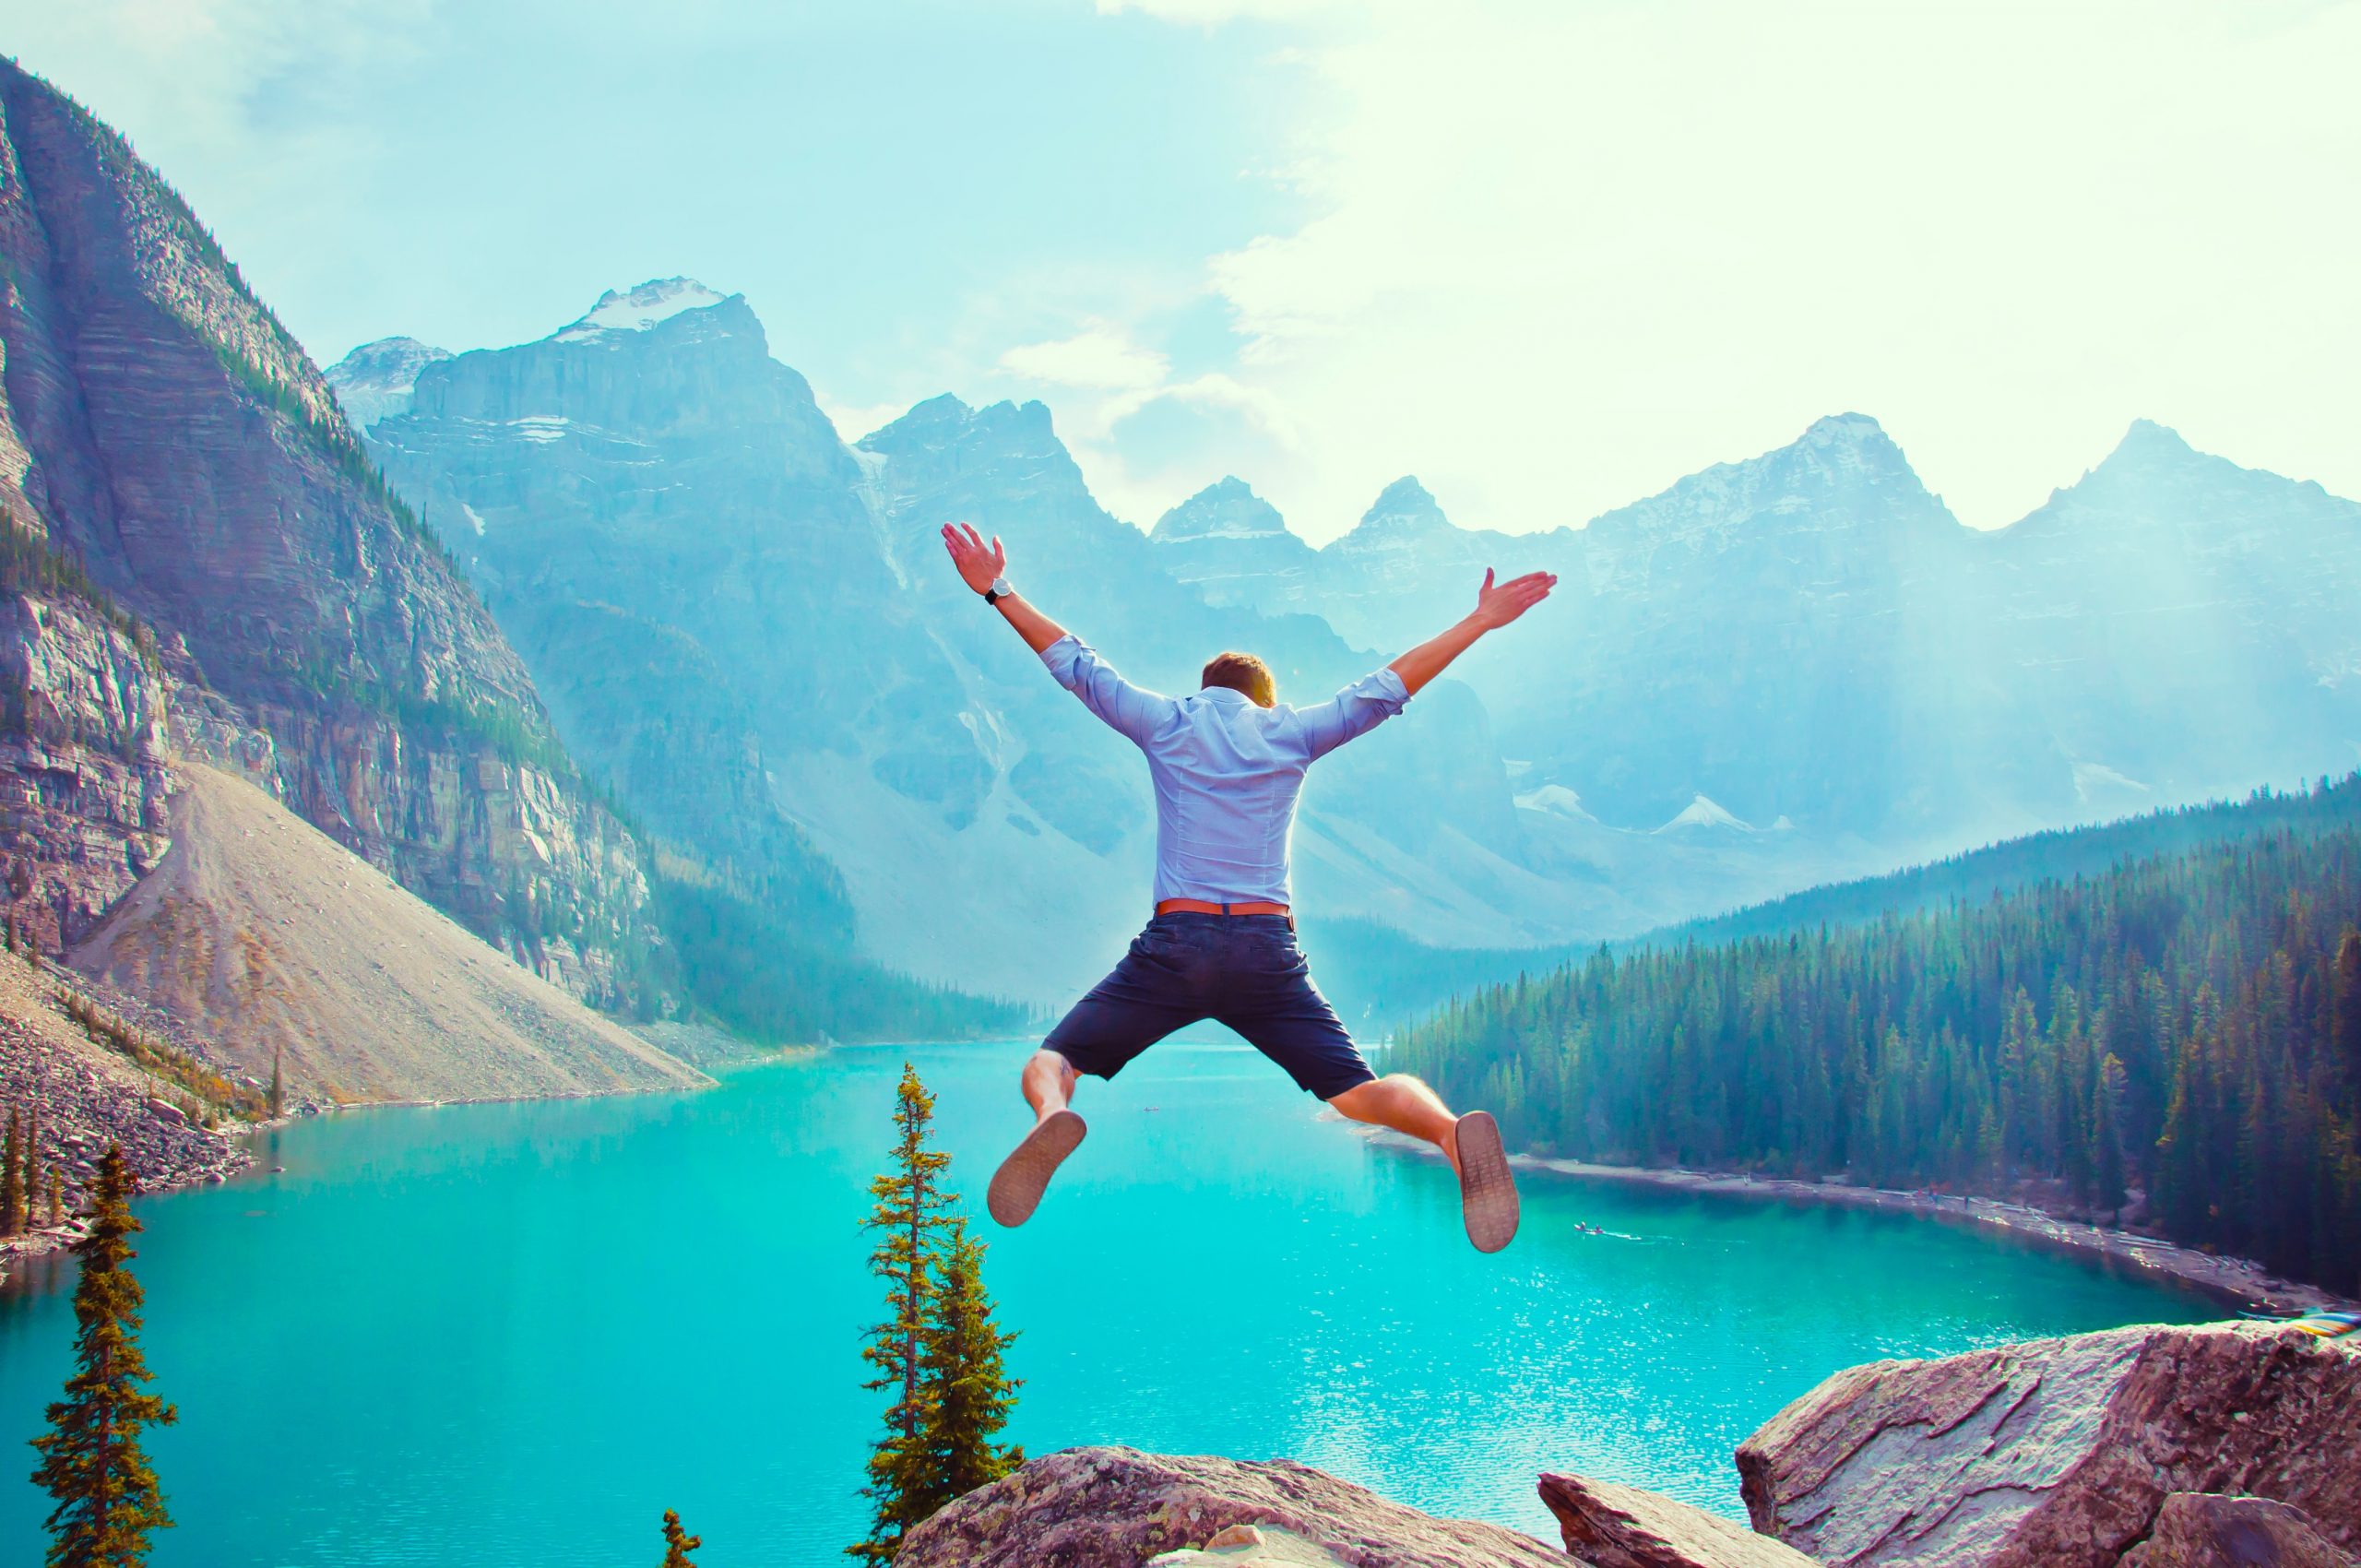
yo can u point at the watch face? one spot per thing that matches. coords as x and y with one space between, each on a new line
1000 589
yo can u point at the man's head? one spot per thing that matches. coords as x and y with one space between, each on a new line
1242 672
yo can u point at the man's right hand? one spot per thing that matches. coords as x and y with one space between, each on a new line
979 563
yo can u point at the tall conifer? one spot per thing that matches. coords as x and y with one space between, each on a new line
678 1542
911 1219
972 1393
91 1462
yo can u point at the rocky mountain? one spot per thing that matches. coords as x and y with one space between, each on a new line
376 381
748 626
1233 546
1810 637
203 558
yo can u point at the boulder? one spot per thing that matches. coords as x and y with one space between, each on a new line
2197 1529
1118 1508
2058 1452
1621 1526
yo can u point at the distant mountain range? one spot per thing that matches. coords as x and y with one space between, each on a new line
1811 636
1775 672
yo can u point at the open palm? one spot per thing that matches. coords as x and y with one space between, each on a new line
1496 606
979 562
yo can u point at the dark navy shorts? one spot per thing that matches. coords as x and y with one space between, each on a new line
1243 971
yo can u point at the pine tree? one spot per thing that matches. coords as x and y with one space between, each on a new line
678 1542
277 1083
971 1394
2106 1143
912 1220
91 1462
56 1197
2345 1016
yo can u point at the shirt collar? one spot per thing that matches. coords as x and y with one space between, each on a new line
1232 693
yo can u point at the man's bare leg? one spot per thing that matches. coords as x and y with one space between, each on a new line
1406 1105
1472 1144
1024 1176
1049 1084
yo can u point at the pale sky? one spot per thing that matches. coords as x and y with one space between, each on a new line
1547 255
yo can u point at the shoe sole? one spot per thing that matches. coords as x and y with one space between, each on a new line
1487 1187
1025 1175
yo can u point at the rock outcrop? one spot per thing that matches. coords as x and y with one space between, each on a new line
2058 1452
2197 1529
1610 1525
1119 1508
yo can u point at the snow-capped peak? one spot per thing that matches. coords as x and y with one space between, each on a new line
641 308
1702 813
1228 508
1403 511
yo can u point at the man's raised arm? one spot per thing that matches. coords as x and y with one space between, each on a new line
1373 699
1073 663
1495 608
980 566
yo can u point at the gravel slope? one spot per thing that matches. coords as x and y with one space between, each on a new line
263 933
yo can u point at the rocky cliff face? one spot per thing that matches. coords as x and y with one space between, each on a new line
159 428
83 780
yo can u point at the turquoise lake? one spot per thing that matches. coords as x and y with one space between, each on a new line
516 1333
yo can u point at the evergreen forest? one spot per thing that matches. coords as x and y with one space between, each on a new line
2174 1038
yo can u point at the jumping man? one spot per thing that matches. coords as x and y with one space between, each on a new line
1228 764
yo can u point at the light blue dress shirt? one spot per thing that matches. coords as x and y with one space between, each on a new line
1227 772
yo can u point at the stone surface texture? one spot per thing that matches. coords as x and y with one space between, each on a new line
1119 1508
2196 1529
2058 1453
1621 1526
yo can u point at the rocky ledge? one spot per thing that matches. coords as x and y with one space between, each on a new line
2232 1445
2060 1452
1120 1508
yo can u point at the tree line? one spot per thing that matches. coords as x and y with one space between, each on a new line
2184 1025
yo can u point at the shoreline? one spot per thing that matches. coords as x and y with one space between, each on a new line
2235 1282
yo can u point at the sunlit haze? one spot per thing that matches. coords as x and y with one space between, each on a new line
1548 257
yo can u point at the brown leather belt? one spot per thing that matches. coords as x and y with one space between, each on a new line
1199 907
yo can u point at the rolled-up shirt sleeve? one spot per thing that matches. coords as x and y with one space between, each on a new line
1075 665
1358 708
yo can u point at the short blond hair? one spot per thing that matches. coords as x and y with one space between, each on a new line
1243 673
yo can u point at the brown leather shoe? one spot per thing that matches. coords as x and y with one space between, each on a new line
1025 1175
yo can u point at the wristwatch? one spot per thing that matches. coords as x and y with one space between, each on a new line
998 591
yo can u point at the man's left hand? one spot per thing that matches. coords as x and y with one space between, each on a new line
979 563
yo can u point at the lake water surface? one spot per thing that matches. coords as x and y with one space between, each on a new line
516 1333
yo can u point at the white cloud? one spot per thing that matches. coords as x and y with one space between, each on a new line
1099 357
1563 255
